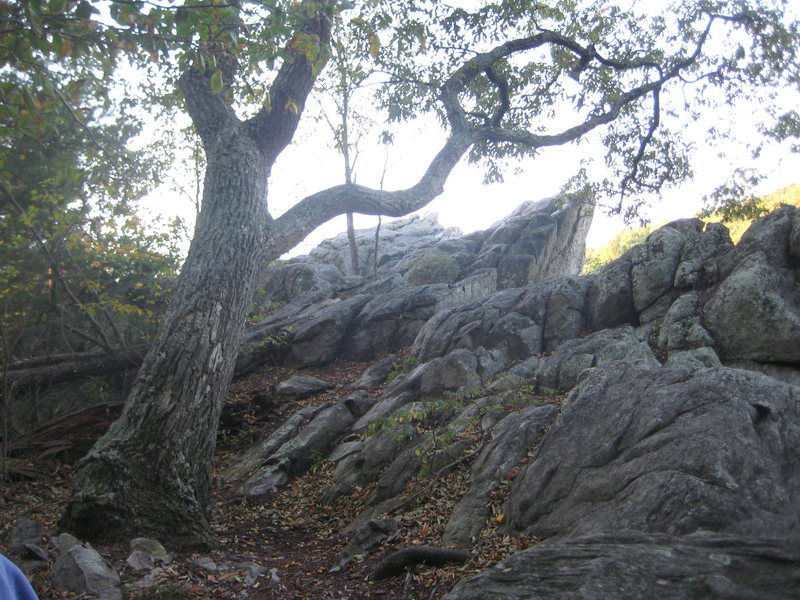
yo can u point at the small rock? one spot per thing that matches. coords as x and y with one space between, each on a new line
140 561
253 571
146 554
205 563
24 532
64 542
301 386
369 537
80 569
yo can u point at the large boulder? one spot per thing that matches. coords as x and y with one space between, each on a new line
666 450
633 565
538 240
396 241
754 313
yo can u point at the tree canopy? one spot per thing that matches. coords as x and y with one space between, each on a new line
539 74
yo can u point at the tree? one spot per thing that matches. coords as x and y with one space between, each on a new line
349 121
509 79
79 272
626 239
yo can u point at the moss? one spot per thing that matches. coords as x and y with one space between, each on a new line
432 268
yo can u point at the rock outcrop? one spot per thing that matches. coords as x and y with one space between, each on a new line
644 420
324 314
633 565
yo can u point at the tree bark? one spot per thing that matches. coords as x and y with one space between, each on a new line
351 240
151 473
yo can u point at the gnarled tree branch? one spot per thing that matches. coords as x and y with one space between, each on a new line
311 212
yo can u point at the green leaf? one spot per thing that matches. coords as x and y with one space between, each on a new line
216 82
374 45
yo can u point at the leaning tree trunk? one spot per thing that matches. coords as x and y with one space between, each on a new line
150 474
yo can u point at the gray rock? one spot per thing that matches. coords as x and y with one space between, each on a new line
466 326
368 463
609 302
25 546
565 311
269 340
696 358
511 440
318 340
696 270
794 239
366 539
258 454
459 369
147 554
359 403
538 240
140 561
754 314
300 452
64 542
299 276
770 235
375 374
81 570
562 369
654 263
398 239
632 566
205 563
26 531
391 321
301 386
345 449
682 327
666 450
252 571
383 409
785 373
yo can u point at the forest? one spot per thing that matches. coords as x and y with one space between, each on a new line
104 102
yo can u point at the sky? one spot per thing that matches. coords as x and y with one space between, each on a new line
310 164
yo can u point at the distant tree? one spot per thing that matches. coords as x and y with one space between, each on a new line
507 80
738 217
597 258
347 72
80 272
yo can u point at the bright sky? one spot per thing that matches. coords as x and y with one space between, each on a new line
310 165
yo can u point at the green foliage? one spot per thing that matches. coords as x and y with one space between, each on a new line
432 268
78 268
739 215
402 366
626 239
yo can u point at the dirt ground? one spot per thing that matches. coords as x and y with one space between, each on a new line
293 535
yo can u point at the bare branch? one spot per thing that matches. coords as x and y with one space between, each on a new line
644 143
